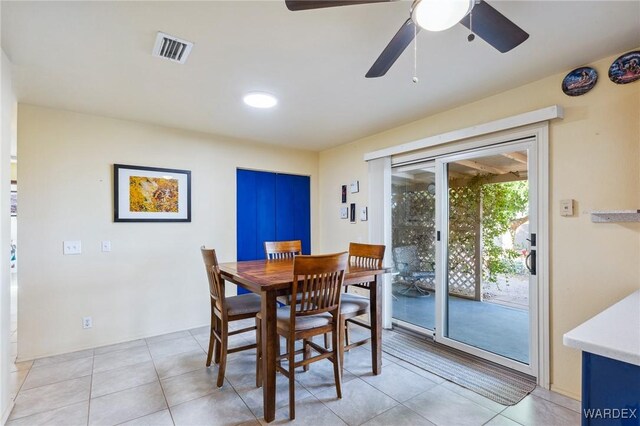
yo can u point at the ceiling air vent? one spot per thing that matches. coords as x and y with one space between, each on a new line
172 48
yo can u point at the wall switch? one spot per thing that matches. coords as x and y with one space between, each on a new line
72 247
566 207
87 322
106 246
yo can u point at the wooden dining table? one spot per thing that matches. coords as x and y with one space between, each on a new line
273 278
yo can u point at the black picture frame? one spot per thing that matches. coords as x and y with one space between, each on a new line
344 194
352 213
121 171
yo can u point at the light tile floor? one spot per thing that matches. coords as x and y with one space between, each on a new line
163 381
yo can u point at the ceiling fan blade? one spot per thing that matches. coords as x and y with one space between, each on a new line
495 28
319 4
394 49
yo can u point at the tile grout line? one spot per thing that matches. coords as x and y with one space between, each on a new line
139 417
159 382
388 409
243 401
93 361
56 382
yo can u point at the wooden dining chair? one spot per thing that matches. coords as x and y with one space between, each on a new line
354 305
223 311
318 280
278 250
282 249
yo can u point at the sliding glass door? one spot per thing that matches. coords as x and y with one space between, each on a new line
464 251
487 253
413 217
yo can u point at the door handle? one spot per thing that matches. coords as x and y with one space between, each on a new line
530 262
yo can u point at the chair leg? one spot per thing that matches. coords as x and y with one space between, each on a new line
224 334
346 333
291 348
339 343
218 327
258 353
337 354
212 341
307 353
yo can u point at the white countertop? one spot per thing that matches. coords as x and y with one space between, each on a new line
613 333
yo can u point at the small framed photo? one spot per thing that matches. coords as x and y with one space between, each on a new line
344 194
352 213
364 214
355 186
344 212
151 194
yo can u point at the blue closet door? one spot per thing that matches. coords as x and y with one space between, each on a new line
255 214
271 207
293 221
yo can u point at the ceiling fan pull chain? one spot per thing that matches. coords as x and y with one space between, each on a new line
415 54
471 36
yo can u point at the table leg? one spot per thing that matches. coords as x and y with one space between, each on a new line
376 324
270 346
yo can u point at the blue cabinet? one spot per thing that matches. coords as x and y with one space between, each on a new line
271 207
610 392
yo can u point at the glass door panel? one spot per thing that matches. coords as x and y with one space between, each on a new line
486 251
414 245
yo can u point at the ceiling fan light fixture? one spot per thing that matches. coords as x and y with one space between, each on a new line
439 15
260 100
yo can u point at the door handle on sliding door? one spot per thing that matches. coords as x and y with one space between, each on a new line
530 262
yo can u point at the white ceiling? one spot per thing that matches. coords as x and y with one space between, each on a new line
96 57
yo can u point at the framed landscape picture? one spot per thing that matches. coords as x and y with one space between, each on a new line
151 194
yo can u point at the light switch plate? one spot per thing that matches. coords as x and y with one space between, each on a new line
106 246
364 214
72 247
566 207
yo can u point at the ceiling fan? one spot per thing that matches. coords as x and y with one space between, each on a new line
434 15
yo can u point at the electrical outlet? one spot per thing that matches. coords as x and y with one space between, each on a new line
72 247
87 322
106 246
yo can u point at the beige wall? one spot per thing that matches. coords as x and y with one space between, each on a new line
8 116
153 281
595 159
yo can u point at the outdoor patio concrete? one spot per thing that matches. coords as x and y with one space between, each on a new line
499 329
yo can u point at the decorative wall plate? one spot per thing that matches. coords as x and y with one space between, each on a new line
579 81
625 69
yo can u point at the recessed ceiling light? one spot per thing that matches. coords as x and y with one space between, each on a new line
260 100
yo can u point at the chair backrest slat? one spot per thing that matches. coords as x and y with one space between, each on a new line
216 284
366 256
318 280
275 250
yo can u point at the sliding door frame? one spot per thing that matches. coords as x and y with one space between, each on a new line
540 133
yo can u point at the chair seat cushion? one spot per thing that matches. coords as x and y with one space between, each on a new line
308 322
351 303
243 304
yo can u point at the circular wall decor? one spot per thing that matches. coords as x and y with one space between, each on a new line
579 81
626 69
